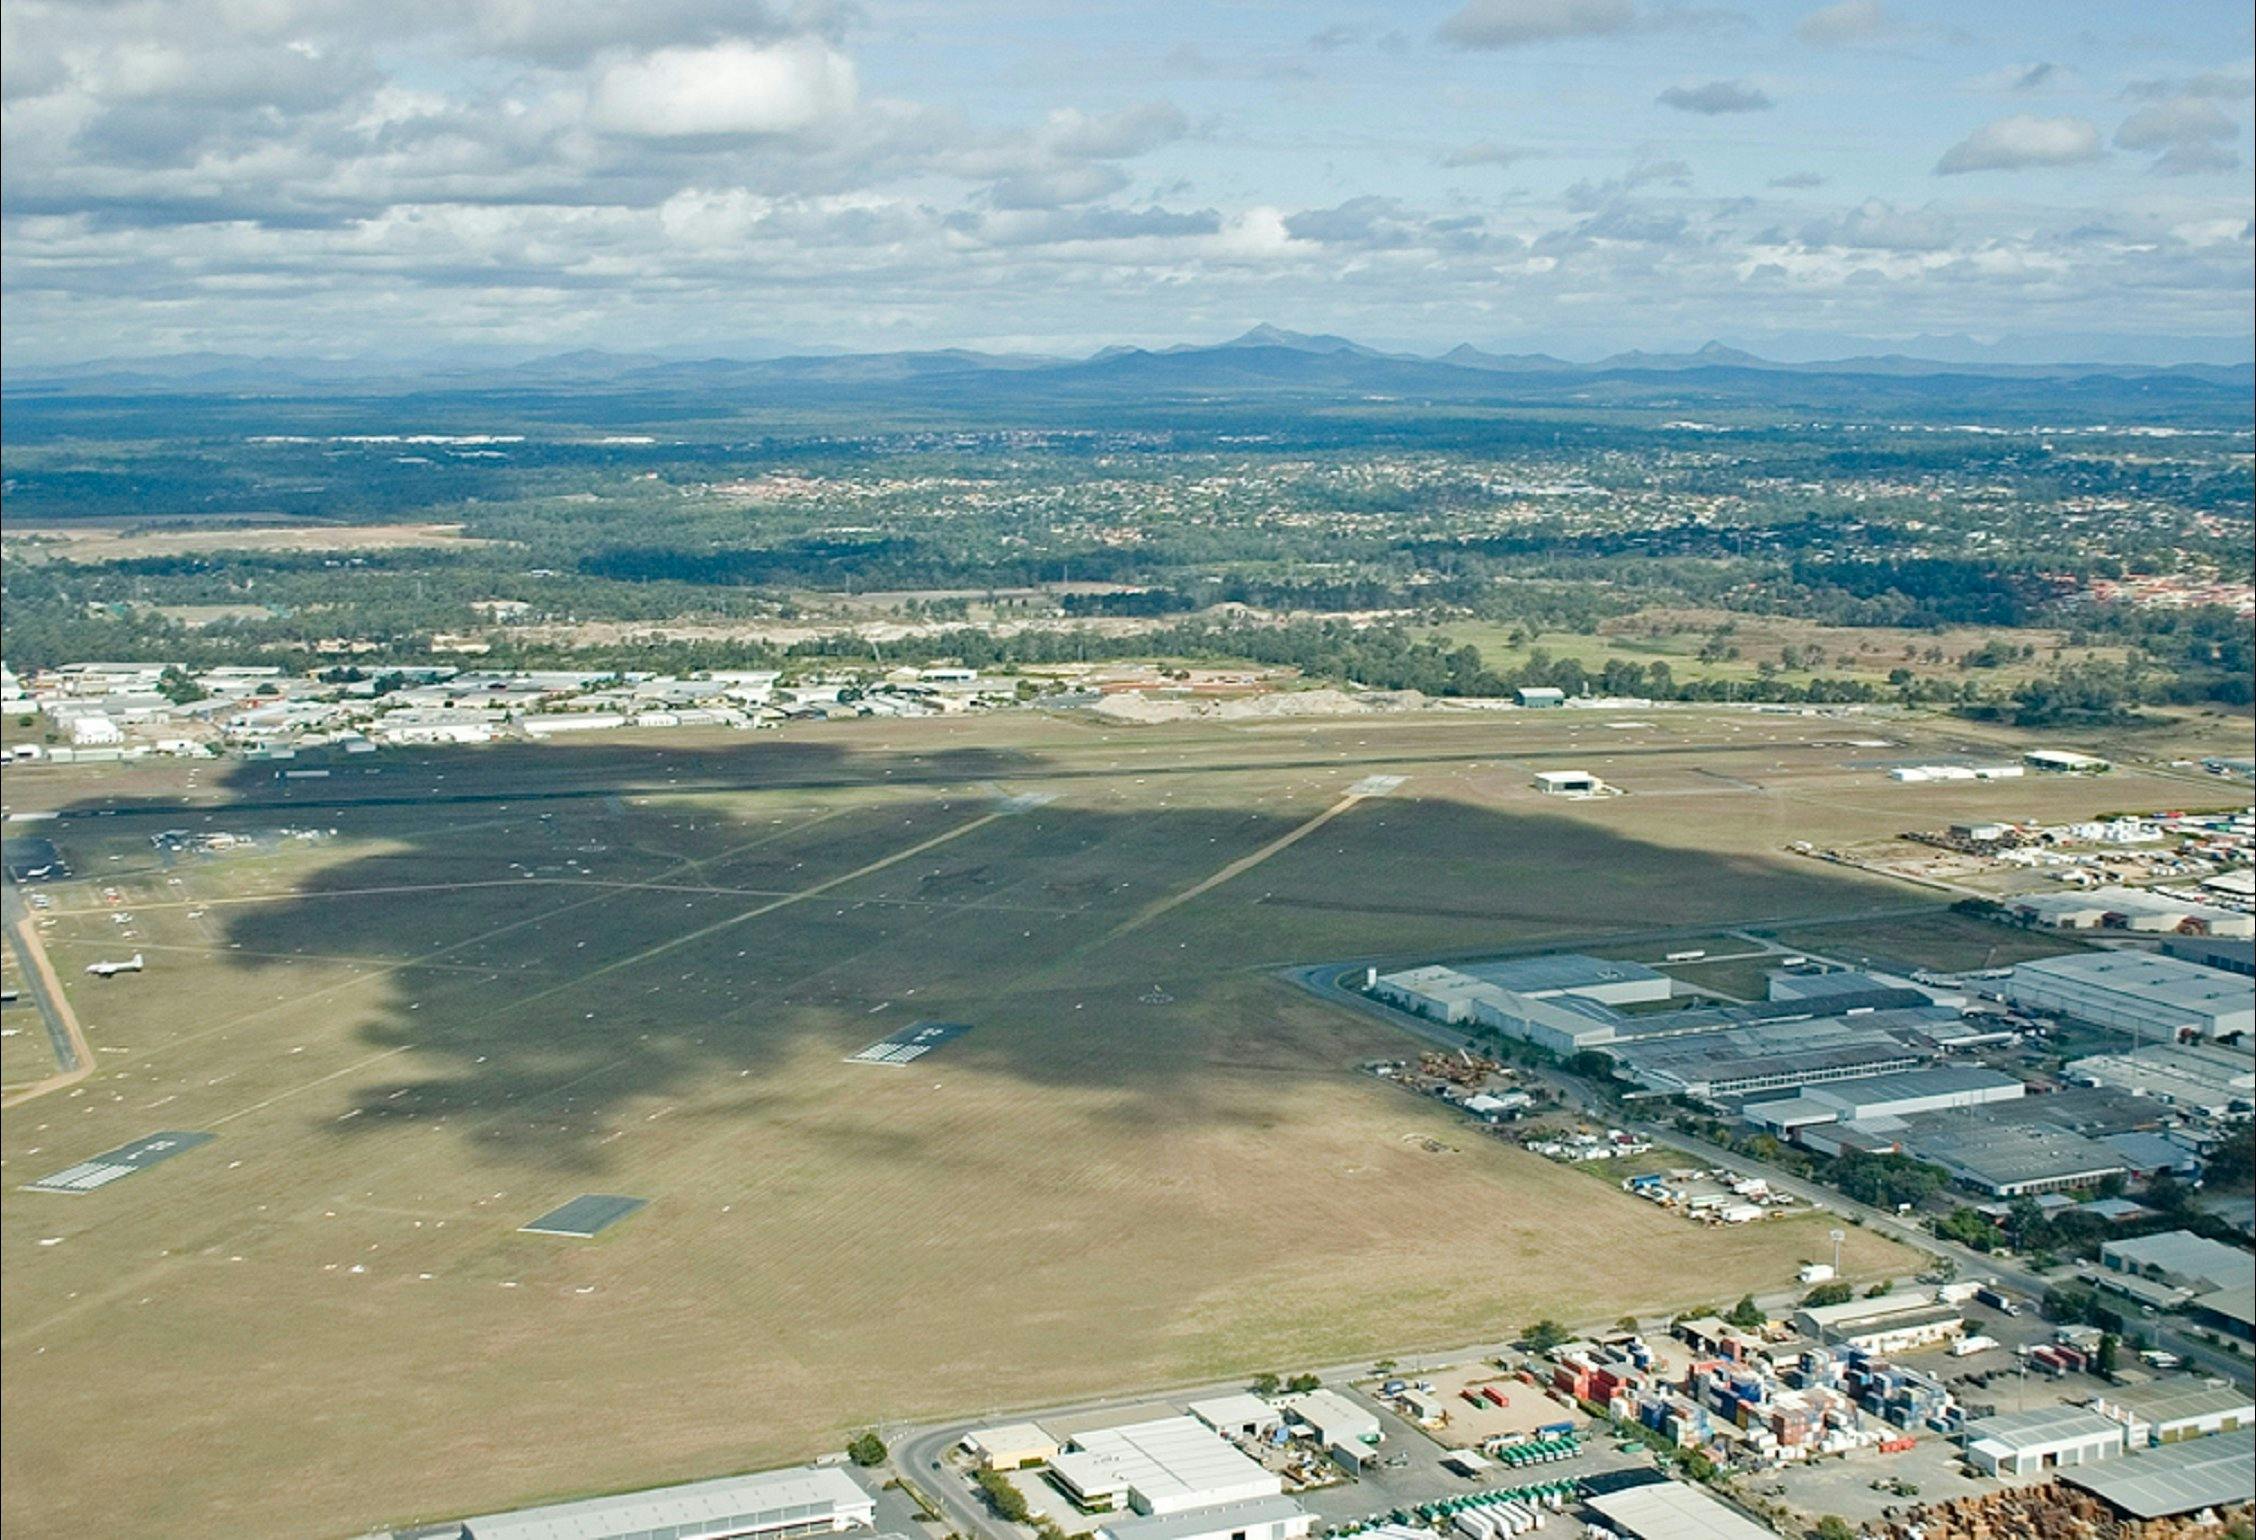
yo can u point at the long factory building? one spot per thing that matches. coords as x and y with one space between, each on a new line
1816 1029
1160 1468
2137 993
775 1505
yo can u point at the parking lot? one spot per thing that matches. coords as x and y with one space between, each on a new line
1859 1486
1526 1407
1421 1477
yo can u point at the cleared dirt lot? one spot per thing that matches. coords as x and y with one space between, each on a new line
107 541
493 981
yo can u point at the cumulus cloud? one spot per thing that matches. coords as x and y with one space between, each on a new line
322 176
1077 135
1847 23
2022 142
2227 85
1716 98
1516 23
728 88
1081 226
1647 171
1366 221
2189 131
1876 225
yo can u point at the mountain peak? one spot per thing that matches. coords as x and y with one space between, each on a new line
1265 335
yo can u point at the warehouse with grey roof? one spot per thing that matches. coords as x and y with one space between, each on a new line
771 1506
2137 993
2182 1478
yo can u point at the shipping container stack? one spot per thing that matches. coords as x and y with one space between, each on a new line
1904 1398
1679 1419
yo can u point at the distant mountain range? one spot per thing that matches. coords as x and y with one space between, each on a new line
1265 361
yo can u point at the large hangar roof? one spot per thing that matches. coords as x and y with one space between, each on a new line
742 1503
1561 970
2176 1478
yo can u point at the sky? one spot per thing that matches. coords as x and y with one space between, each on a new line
495 178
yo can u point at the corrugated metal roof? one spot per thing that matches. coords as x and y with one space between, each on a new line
2183 1254
2143 978
1562 970
2177 1478
1222 1519
1175 1462
2176 1401
2041 1426
1234 1411
1669 1510
729 1505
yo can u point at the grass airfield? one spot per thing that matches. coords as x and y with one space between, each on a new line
437 995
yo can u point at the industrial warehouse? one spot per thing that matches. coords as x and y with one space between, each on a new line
2029 1443
1842 1061
2207 1078
1566 1003
772 1506
2137 993
1166 1466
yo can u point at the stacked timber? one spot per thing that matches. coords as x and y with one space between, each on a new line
2049 1512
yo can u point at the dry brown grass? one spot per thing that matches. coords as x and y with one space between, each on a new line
327 1320
99 542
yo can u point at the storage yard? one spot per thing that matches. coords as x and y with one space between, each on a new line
501 979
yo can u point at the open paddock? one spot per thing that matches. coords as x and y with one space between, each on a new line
1944 942
115 540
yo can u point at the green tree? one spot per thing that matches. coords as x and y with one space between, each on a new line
1003 1497
1747 1315
866 1448
1302 1384
1833 1527
2110 1350
178 688
1968 1228
1543 1336
2166 1193
1835 1293
2232 1166
1266 1384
